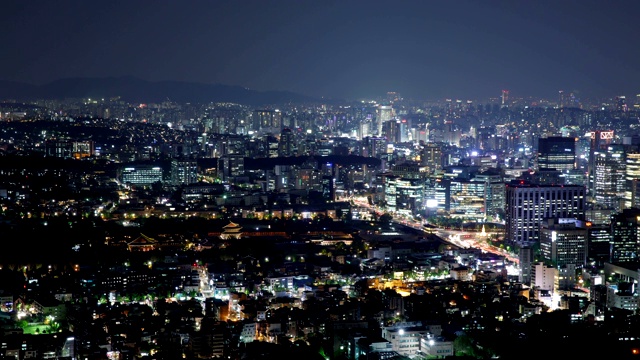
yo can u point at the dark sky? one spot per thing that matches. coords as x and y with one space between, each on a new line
422 49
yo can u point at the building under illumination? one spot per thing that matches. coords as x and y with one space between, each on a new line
141 174
527 205
405 340
609 177
558 153
563 242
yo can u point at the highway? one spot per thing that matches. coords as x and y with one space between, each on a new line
472 239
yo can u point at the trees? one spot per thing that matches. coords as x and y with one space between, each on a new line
385 218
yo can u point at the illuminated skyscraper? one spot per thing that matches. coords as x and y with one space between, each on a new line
557 153
184 171
609 177
527 205
563 242
385 113
599 140
432 157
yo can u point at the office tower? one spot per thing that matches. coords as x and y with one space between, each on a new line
404 196
328 188
374 147
270 145
287 143
405 130
632 180
494 196
558 153
467 198
527 205
599 140
599 240
364 129
609 177
230 166
61 148
184 171
409 170
437 194
384 113
525 257
486 138
267 119
561 99
391 131
432 157
141 174
563 242
505 97
624 236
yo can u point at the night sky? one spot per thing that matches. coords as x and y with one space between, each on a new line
422 49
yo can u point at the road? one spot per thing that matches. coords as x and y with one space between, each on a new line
474 240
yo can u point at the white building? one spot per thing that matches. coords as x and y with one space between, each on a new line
405 340
544 277
434 347
249 332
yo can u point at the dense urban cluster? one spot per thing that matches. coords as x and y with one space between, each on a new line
379 229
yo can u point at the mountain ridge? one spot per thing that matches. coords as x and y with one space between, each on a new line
137 90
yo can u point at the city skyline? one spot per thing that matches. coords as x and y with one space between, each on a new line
333 49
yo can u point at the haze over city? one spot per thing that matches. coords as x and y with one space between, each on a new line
335 49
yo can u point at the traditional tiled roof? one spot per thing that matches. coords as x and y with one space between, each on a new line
143 240
231 224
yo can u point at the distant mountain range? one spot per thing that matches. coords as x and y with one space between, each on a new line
141 91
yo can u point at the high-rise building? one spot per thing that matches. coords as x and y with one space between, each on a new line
287 143
141 174
527 205
391 131
373 147
408 195
432 157
467 198
267 119
563 242
558 153
494 195
184 171
561 99
609 177
599 240
505 97
632 180
384 113
600 139
526 257
624 236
